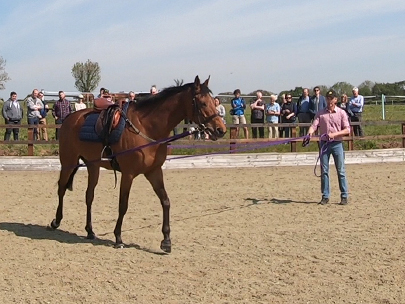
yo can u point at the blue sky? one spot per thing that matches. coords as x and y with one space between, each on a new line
255 44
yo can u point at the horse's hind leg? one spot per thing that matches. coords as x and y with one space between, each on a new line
93 176
65 182
155 177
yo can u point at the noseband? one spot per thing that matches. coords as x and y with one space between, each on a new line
202 120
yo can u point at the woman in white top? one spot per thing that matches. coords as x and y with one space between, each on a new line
220 109
80 105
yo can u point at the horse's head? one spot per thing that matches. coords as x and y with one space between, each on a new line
204 112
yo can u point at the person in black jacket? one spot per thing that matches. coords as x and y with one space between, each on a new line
288 114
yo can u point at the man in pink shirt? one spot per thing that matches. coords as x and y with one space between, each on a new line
333 124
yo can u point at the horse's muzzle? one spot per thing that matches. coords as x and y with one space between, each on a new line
215 134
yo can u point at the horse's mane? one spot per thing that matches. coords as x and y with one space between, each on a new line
166 93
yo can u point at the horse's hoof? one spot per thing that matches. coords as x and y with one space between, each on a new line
119 246
91 236
54 225
166 246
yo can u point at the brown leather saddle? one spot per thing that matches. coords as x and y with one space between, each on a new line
110 114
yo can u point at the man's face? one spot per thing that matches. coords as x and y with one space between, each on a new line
61 95
14 97
355 93
35 93
331 100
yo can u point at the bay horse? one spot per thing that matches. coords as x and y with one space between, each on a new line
150 118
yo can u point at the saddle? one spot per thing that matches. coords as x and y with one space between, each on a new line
110 114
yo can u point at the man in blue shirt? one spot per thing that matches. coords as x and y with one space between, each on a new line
238 114
356 105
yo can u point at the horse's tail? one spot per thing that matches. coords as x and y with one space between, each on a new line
69 184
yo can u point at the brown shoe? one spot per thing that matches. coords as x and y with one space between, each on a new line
323 201
343 201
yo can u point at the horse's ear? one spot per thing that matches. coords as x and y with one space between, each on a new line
197 83
206 82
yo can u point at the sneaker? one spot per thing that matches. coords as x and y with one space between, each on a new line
343 201
323 201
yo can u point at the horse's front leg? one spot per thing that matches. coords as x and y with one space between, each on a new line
93 176
125 187
155 177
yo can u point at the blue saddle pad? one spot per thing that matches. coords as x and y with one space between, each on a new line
88 130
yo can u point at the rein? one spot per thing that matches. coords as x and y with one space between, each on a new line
324 141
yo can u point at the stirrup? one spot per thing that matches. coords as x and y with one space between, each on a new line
104 158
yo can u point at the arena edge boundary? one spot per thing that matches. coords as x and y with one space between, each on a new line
245 160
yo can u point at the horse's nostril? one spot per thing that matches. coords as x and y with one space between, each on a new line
220 131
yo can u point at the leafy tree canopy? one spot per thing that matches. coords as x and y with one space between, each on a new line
3 74
86 75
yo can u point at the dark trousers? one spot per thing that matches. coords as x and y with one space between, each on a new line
254 129
34 121
358 130
304 118
9 130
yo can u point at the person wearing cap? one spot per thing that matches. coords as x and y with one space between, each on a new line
333 124
80 105
356 105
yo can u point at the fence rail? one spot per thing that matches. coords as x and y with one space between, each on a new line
30 142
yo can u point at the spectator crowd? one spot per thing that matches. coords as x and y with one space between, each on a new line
289 111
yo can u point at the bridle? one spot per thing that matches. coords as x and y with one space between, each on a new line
201 119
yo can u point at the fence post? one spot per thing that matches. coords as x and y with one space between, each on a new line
350 145
293 143
403 133
31 145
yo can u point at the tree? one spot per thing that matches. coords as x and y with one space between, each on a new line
3 74
178 82
86 75
366 88
342 88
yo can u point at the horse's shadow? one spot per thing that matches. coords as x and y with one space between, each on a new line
38 232
257 201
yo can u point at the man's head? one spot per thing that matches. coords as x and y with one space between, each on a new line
61 94
236 93
13 95
317 90
288 97
259 95
35 93
331 97
131 95
273 98
305 92
355 91
153 90
40 95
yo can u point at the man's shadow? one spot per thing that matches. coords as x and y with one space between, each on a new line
38 232
257 201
